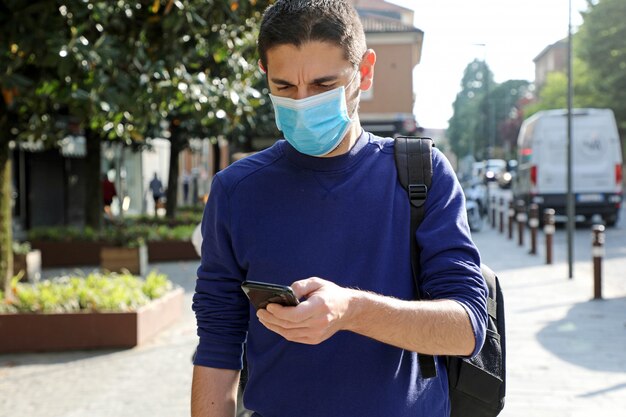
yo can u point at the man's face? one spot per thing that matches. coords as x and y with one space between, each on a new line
313 68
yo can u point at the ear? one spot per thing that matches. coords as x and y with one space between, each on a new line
262 67
367 69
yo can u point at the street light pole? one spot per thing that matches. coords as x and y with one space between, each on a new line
571 208
486 128
490 110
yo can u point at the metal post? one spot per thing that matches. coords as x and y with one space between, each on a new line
501 214
548 230
511 218
493 211
533 222
598 254
521 218
571 205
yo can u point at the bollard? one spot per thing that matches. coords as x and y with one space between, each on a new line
548 229
501 214
533 222
511 218
598 253
521 218
493 211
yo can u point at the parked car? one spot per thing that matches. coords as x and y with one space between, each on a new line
507 177
493 168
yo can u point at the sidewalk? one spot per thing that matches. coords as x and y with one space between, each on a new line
566 354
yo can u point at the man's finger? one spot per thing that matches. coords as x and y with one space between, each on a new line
299 335
297 314
304 287
277 325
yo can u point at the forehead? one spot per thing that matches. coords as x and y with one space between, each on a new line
311 59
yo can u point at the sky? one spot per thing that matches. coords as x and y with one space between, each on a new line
508 34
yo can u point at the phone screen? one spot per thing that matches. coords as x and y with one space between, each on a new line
261 294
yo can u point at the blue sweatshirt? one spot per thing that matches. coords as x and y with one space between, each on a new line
280 216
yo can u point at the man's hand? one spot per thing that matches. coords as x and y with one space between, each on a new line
439 327
314 320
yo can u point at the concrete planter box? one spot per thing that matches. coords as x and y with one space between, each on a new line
87 253
30 263
79 331
171 250
116 259
62 254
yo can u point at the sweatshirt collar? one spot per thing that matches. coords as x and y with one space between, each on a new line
334 163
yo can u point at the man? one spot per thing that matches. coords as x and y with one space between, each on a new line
186 179
324 212
156 187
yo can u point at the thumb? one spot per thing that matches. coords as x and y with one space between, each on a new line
304 287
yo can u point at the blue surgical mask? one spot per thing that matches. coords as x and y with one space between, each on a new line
314 125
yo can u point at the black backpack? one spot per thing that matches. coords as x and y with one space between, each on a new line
477 385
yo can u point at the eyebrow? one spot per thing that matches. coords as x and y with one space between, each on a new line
320 80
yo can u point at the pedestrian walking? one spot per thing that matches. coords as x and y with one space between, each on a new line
156 187
323 212
186 179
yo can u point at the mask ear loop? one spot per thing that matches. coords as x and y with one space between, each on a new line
356 108
352 79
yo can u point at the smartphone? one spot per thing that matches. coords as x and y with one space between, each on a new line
261 294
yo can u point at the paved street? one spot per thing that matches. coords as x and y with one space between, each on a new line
566 354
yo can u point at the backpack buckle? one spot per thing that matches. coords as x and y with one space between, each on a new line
417 194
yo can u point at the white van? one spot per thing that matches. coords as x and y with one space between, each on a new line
596 163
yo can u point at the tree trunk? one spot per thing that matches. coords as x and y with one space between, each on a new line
217 157
6 229
93 185
172 179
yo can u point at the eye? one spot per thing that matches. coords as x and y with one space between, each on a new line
284 87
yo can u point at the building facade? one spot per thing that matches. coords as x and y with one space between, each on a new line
387 108
552 59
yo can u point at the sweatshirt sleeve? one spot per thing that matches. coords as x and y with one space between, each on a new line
222 311
450 262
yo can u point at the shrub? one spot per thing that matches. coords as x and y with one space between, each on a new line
131 234
63 234
128 237
95 292
191 215
182 232
21 248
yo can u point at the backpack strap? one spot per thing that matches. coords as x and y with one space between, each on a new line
415 172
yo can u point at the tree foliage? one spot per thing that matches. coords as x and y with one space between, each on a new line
508 101
485 113
601 45
121 70
467 130
553 94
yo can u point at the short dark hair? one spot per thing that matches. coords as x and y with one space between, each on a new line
295 22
